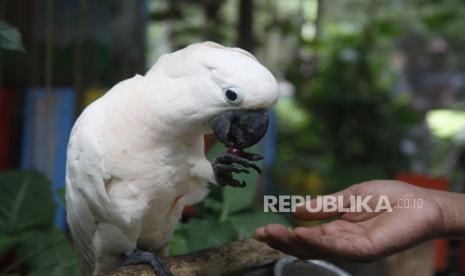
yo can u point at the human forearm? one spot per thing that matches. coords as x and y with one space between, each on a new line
452 206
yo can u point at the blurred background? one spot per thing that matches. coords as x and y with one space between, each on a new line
368 90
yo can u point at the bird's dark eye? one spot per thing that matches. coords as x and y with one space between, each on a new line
231 95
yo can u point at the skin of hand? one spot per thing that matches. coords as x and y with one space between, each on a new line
367 236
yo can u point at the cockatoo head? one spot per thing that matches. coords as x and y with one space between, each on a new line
220 89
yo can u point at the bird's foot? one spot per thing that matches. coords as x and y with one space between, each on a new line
234 161
142 257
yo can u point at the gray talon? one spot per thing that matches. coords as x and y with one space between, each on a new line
251 156
142 257
226 164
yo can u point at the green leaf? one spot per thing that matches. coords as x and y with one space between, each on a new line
245 223
212 204
10 38
6 243
27 202
201 233
237 199
178 243
48 253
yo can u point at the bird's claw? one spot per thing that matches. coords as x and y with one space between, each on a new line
142 257
228 163
251 156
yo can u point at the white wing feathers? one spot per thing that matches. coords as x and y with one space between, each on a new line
97 223
85 181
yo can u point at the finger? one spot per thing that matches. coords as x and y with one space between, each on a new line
313 239
340 246
279 237
259 234
315 209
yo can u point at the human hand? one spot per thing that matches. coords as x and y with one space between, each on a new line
365 236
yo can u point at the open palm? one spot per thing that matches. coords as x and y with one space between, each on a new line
361 236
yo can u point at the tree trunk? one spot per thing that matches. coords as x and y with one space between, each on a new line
245 40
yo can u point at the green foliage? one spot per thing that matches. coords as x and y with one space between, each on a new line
6 243
26 226
10 38
48 253
25 202
201 233
354 123
227 214
246 222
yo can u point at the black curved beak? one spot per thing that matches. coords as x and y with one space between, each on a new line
240 128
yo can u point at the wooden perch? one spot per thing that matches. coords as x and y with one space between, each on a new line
230 258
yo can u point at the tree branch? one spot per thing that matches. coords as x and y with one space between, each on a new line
230 258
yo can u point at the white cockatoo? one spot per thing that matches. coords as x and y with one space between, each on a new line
136 155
